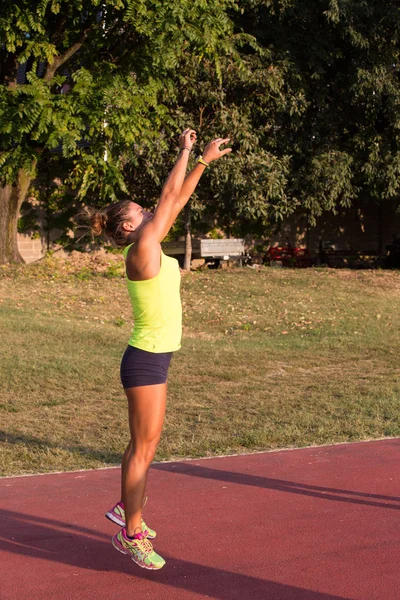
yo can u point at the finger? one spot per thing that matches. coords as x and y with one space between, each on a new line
226 151
222 141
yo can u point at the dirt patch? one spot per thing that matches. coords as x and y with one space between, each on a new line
96 262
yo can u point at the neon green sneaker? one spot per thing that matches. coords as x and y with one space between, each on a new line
140 549
116 514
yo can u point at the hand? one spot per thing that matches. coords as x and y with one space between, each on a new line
187 138
212 150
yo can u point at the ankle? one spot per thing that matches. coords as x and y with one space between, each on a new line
133 526
133 532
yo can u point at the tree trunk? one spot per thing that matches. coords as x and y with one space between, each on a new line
188 237
11 199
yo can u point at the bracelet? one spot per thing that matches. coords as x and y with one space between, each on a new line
202 161
186 148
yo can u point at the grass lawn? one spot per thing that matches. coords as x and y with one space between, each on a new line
271 358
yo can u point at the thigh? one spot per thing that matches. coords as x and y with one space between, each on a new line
146 406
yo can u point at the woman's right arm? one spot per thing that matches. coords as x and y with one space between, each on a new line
178 189
175 179
168 208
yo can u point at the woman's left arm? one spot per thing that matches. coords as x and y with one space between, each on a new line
172 202
211 152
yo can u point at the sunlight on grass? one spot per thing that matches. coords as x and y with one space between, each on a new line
270 358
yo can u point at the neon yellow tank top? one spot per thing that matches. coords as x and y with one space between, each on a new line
157 309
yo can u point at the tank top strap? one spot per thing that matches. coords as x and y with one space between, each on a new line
126 249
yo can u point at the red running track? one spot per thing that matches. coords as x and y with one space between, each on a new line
309 524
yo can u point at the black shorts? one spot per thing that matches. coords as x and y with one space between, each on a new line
139 367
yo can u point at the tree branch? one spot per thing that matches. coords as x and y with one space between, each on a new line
60 60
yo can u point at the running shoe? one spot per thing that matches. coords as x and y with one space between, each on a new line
139 548
116 514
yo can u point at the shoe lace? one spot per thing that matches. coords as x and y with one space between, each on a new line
145 546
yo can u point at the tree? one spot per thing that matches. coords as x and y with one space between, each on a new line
241 99
94 76
312 109
308 90
341 60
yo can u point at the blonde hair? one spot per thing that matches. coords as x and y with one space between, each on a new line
110 220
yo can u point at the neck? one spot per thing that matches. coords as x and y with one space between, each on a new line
131 238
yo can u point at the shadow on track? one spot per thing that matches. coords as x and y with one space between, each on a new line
280 485
65 543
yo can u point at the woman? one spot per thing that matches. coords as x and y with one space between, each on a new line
153 283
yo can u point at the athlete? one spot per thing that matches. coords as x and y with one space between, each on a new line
153 281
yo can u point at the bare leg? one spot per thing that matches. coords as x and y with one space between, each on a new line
123 469
125 460
146 406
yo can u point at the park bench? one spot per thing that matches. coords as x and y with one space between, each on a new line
213 251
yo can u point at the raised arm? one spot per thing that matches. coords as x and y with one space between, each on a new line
175 179
211 152
143 259
167 208
178 189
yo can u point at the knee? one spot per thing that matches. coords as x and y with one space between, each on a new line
145 451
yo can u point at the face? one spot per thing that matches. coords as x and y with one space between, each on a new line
138 217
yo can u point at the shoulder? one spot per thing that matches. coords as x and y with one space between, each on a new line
143 259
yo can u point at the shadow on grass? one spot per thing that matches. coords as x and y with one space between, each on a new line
45 540
280 485
111 458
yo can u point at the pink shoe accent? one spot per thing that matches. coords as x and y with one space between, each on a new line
138 536
117 514
117 544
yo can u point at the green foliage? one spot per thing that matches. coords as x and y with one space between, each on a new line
215 234
328 180
308 91
95 72
50 202
335 110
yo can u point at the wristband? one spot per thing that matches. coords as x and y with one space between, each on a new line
202 161
186 148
